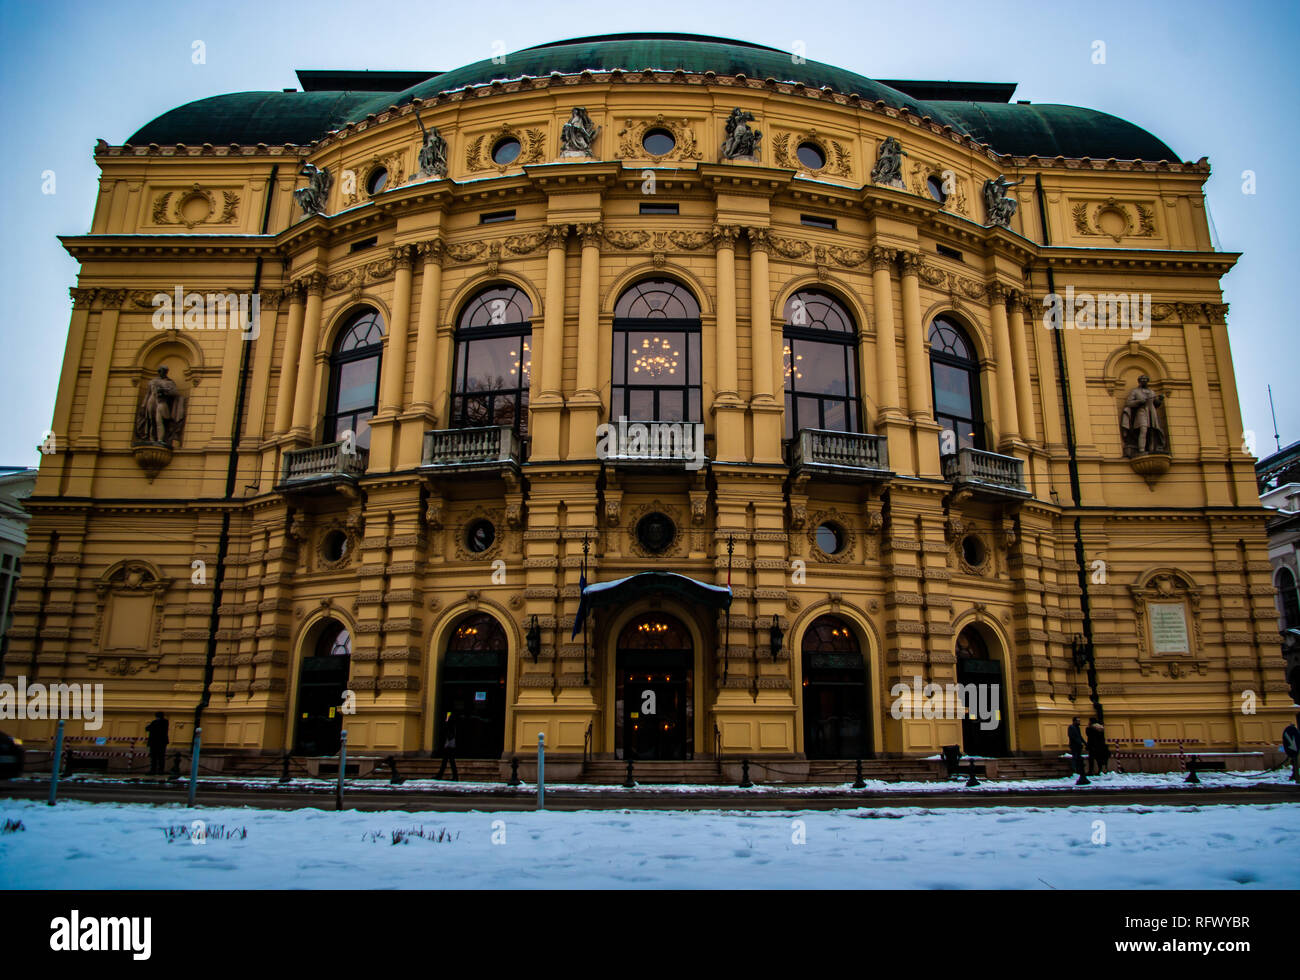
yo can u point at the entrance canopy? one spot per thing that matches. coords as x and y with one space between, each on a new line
625 590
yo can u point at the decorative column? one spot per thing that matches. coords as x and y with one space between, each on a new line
585 406
1020 357
727 408
289 361
303 401
82 299
548 406
426 328
919 405
392 380
882 260
1008 424
766 407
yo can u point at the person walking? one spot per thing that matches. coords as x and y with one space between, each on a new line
156 731
1076 745
448 748
1098 751
1291 746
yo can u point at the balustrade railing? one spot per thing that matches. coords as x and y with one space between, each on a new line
480 446
845 451
331 459
986 470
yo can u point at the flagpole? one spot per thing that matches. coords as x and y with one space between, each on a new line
726 643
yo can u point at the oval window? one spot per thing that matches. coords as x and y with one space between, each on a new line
972 549
655 532
505 151
657 142
376 180
335 546
479 536
811 156
830 538
935 186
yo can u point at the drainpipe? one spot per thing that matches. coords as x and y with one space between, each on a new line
1085 603
232 469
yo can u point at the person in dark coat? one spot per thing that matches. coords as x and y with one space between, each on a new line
1076 745
157 732
448 748
1098 751
1291 746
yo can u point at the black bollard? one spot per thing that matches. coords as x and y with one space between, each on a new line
629 783
744 775
284 769
395 779
972 781
514 772
176 766
1192 763
860 783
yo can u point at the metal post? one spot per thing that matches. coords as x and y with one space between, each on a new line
284 773
629 783
514 771
744 774
56 763
859 783
1192 778
343 768
194 764
972 781
541 770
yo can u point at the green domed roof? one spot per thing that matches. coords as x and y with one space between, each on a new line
304 117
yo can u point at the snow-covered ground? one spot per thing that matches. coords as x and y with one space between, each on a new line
110 845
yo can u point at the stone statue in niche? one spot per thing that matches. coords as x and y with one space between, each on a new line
578 137
161 418
888 170
312 198
741 141
433 153
1000 207
1139 422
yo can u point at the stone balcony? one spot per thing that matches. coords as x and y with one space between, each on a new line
650 445
986 474
323 468
494 448
856 457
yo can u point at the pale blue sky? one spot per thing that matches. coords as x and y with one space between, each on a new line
1210 79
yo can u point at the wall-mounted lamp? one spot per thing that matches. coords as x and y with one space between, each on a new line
534 639
1079 649
774 637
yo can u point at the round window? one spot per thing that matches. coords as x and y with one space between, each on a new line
505 151
811 156
830 538
335 546
657 142
935 186
655 532
972 550
376 180
479 536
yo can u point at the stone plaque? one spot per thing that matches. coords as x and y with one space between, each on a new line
1168 627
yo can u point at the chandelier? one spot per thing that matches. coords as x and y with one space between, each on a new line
524 364
655 357
652 628
792 363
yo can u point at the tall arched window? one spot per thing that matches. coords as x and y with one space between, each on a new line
354 377
955 374
1286 590
836 722
821 368
493 360
656 371
473 688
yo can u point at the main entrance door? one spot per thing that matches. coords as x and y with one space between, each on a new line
474 689
321 683
835 719
987 735
654 695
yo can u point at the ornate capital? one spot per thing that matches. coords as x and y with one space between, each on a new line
724 236
557 236
112 299
313 283
430 251
591 234
81 298
882 258
911 262
998 293
402 256
760 239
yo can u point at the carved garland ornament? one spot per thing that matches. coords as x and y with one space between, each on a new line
1114 219
838 160
197 206
354 180
478 151
832 516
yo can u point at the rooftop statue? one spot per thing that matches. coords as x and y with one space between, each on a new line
889 164
313 197
578 137
741 141
1001 208
433 154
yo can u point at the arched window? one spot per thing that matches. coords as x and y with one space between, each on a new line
354 377
955 374
821 368
1286 590
472 688
656 372
836 723
494 358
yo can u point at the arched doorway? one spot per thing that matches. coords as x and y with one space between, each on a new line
836 723
986 733
321 682
654 699
473 688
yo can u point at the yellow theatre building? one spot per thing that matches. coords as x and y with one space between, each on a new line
830 389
